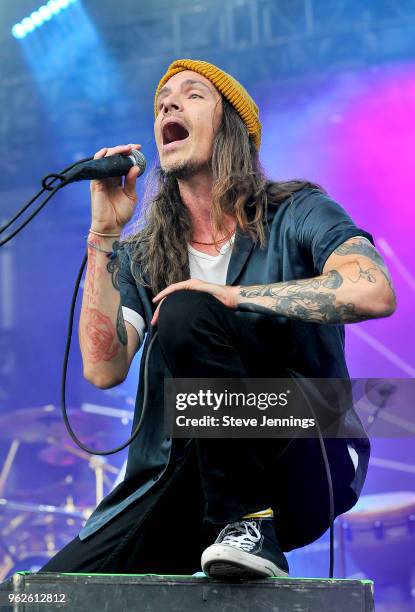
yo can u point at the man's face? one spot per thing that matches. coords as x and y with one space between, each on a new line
189 115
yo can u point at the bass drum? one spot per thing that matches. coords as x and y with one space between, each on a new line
379 535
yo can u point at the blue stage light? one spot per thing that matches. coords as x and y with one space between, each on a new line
53 7
37 18
45 12
28 24
18 31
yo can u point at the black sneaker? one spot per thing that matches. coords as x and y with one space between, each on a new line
245 549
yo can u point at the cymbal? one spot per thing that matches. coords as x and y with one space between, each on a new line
55 455
9 505
68 454
57 493
32 533
43 424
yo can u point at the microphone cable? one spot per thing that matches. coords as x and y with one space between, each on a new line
65 369
328 475
47 185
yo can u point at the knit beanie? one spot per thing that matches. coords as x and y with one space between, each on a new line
229 87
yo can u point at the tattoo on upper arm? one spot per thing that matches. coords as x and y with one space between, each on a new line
369 274
362 246
121 329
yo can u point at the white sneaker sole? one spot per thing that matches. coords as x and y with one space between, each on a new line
224 561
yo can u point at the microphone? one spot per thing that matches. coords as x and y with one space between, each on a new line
113 165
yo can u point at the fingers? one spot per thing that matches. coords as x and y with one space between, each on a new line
121 149
101 153
192 283
156 314
130 181
165 292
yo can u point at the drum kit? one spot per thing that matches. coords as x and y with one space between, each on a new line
379 536
40 516
378 533
376 538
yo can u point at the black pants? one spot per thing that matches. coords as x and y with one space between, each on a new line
216 481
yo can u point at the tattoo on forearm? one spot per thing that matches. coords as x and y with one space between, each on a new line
334 280
102 344
316 299
102 339
303 299
121 329
113 267
90 280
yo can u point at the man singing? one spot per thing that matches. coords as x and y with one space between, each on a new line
241 277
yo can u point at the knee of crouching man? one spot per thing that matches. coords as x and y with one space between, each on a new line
178 311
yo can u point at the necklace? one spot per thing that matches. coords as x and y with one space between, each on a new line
212 243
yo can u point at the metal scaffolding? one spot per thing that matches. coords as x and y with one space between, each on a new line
253 39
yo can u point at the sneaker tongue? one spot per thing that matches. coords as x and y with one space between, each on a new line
233 529
242 527
251 525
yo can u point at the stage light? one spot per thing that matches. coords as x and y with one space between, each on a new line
45 12
53 7
28 24
18 31
38 18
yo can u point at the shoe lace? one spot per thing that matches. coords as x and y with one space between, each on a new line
242 534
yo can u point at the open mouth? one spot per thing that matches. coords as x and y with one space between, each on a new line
173 132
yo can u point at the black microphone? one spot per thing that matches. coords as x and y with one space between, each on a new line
113 165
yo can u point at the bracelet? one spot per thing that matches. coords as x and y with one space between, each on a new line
91 231
109 254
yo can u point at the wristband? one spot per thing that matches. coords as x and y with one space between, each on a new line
109 254
91 231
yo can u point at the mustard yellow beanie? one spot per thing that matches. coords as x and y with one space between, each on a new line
229 87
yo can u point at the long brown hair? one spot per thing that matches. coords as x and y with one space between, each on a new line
240 189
